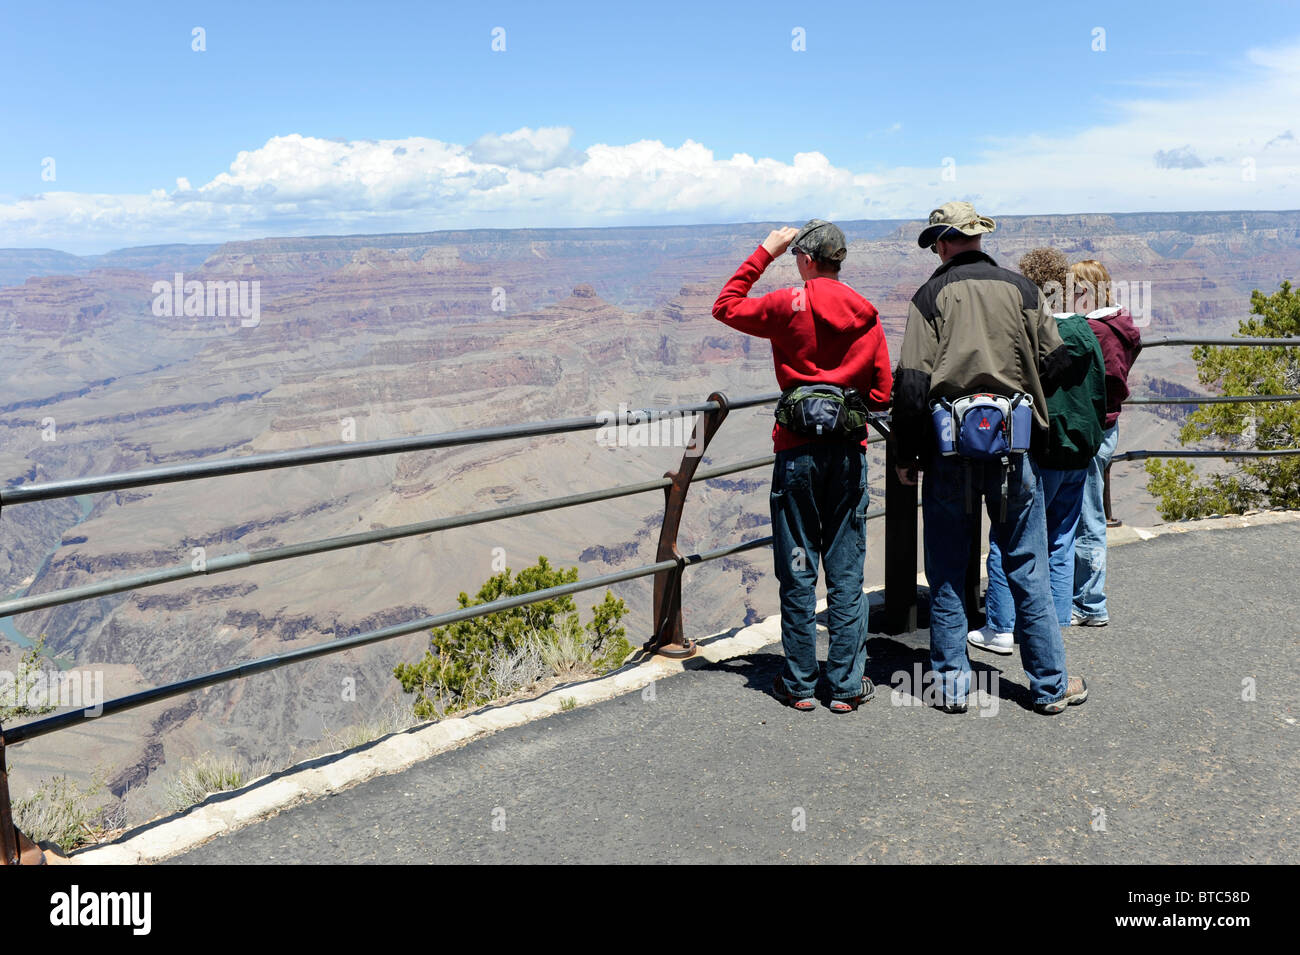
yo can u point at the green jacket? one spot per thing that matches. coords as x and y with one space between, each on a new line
1076 407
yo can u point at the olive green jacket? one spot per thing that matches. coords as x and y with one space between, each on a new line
973 327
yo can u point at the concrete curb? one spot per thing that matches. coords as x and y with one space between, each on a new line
269 795
1128 534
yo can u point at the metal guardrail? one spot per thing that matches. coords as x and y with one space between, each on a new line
1220 340
1181 453
344 452
667 569
229 562
41 727
667 638
1211 400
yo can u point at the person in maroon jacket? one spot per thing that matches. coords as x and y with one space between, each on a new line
822 332
1120 344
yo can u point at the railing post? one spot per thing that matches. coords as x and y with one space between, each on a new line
8 836
1105 498
973 562
668 638
900 549
15 848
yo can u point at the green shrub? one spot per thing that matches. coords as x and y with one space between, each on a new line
13 697
463 666
567 652
617 649
1234 370
393 718
62 812
201 777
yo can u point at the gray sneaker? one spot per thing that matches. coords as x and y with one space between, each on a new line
1076 692
1079 620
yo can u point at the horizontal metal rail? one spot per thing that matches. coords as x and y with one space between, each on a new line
706 474
1211 400
24 494
26 731
261 462
1281 342
228 562
1140 455
31 730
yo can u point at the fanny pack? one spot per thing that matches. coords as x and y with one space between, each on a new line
823 411
983 427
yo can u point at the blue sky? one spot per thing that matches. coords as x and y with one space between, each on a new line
336 106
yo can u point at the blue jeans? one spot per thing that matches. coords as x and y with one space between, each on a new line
1022 541
1090 543
1063 499
819 506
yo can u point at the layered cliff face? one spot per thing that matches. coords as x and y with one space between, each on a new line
369 337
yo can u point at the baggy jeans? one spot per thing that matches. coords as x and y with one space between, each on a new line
1022 540
1090 542
1063 500
819 506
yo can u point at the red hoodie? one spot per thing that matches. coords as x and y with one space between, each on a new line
1120 344
822 332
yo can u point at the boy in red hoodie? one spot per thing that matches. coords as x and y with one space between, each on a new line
822 332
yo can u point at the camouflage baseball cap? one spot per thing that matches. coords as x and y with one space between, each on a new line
954 215
822 240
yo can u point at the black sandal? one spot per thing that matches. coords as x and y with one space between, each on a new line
848 706
804 704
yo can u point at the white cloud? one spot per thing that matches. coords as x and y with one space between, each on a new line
299 184
528 149
1182 158
1197 152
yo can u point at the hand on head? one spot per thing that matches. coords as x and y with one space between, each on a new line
778 240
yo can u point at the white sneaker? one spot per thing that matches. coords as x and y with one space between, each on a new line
1079 620
986 639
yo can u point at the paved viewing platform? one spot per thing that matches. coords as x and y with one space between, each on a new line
1187 751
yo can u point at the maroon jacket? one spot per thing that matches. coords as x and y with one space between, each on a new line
1120 344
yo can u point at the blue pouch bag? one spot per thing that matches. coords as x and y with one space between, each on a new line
983 427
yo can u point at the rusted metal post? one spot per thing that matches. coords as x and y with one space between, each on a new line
8 835
668 638
900 550
1105 499
15 848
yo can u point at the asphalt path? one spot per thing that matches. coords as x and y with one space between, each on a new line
1187 751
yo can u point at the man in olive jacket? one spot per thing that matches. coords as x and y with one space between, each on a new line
974 327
